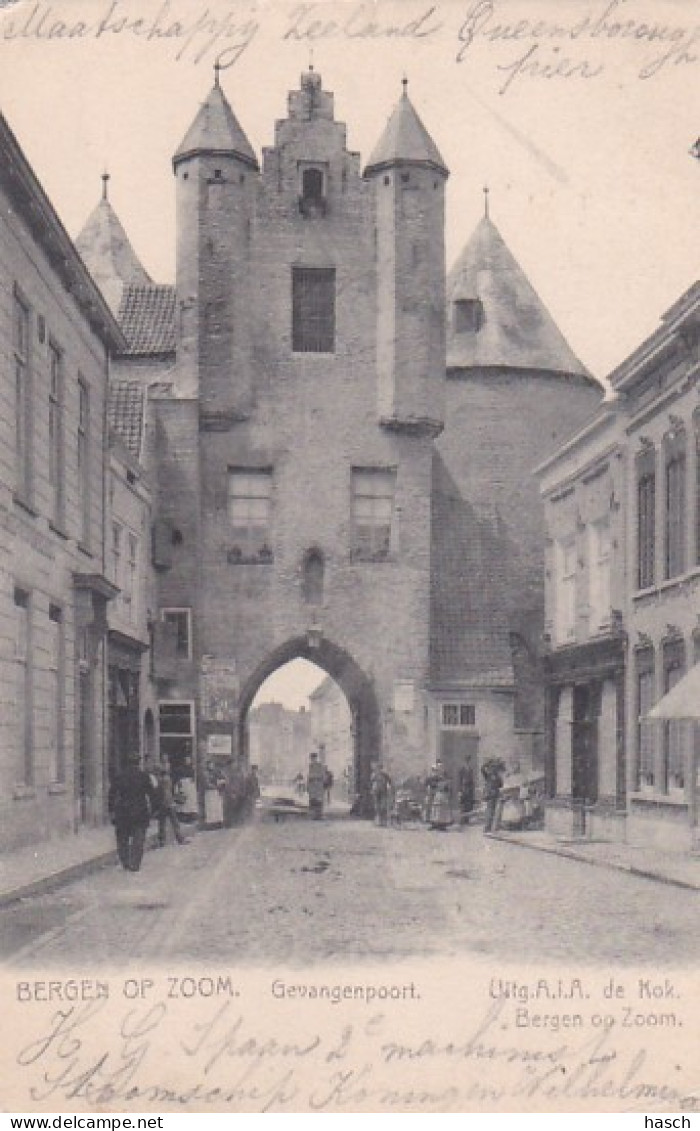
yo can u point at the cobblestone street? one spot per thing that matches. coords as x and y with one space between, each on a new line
299 892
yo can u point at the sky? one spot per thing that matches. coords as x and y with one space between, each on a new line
291 685
591 181
579 116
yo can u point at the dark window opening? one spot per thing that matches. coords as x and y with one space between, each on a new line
312 584
312 201
468 315
313 309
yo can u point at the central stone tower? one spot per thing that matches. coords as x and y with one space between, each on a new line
295 456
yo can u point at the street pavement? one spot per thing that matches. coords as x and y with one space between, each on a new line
299 892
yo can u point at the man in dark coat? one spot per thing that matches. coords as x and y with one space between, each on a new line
132 800
492 772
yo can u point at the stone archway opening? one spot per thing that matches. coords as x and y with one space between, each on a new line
339 689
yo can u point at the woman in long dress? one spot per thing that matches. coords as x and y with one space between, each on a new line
439 799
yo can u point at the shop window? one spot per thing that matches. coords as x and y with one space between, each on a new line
313 309
177 737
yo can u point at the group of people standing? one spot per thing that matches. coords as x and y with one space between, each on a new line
239 788
440 805
136 796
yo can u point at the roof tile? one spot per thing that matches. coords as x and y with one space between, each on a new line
125 413
470 592
147 319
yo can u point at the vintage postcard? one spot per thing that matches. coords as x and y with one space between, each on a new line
350 556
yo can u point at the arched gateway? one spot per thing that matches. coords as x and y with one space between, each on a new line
357 688
314 498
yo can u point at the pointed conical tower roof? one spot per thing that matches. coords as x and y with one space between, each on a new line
105 249
513 329
405 141
216 131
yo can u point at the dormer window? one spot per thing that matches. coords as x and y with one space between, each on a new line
312 194
468 315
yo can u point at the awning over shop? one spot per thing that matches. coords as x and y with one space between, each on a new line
682 701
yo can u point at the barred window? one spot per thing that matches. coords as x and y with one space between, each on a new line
372 510
313 309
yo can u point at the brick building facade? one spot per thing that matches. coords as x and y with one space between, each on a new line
56 333
623 598
323 491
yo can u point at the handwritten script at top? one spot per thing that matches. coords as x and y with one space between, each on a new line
518 42
151 1054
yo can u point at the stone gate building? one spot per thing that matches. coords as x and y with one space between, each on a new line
326 488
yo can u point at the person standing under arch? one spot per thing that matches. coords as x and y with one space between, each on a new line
315 786
132 800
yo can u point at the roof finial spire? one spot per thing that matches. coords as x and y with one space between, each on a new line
404 84
217 69
486 202
311 58
105 183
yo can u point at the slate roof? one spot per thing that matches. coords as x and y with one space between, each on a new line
108 255
147 318
125 413
470 592
517 331
216 130
405 140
